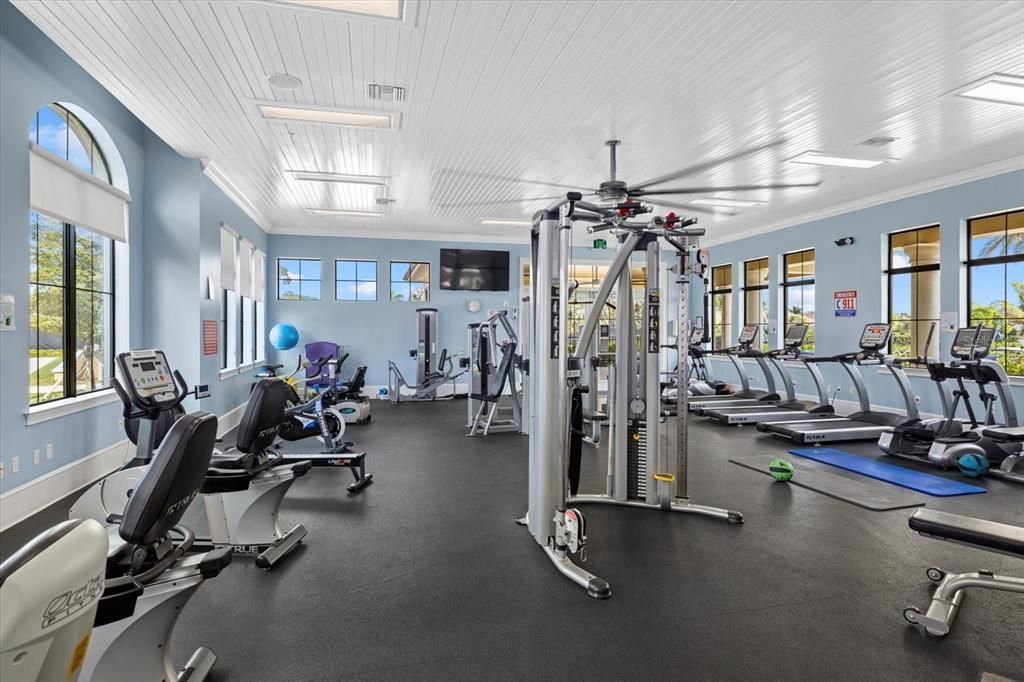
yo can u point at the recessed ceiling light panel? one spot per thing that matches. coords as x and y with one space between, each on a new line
388 9
284 81
326 116
841 160
502 221
724 203
317 176
1002 88
345 213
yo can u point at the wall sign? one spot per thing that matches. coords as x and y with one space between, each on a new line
846 303
210 337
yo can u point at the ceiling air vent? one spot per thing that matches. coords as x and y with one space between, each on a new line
384 201
879 141
385 93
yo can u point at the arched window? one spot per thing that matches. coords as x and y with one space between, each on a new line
71 276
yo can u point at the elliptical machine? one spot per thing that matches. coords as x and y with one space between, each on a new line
242 492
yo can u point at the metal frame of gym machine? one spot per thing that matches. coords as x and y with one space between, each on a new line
561 530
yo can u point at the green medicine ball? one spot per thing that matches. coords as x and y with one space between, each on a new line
781 470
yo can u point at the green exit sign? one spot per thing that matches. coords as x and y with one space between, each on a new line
600 244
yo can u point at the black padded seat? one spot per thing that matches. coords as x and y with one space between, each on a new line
355 386
263 416
999 537
589 416
174 479
1009 434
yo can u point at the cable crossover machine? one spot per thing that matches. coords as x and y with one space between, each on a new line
641 472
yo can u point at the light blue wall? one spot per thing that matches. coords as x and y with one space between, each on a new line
377 331
859 266
174 243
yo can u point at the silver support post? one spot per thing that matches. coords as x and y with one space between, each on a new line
624 345
682 394
658 491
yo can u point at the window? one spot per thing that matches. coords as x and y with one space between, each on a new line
248 330
913 274
995 283
298 279
721 306
410 281
355 280
71 278
232 324
755 297
798 292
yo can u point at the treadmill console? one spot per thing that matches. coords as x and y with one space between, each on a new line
875 336
747 335
148 375
972 343
795 335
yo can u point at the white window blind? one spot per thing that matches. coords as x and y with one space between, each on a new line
228 258
245 269
60 190
259 275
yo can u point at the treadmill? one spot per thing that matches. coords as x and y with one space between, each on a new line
746 394
865 424
789 409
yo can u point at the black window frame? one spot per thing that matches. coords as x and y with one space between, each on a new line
715 293
69 278
410 282
300 279
970 263
357 281
763 326
787 284
891 271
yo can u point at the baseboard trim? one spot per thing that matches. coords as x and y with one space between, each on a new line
18 504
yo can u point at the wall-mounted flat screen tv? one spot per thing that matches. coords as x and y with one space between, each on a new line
474 270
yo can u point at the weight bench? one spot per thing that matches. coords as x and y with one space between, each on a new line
965 530
1012 466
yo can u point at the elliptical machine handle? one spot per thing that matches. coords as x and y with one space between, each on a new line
127 412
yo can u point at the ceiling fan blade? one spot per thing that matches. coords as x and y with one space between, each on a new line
700 167
633 192
499 202
689 208
505 178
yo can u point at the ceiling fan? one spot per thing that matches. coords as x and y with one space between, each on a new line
618 191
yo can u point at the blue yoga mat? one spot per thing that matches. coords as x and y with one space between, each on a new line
890 473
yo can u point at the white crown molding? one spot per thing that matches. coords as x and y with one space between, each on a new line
1010 165
218 178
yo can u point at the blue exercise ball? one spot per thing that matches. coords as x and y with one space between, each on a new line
283 336
973 466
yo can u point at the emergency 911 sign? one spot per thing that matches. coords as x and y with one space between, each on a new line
846 303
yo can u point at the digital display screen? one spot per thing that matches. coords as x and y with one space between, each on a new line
474 270
147 366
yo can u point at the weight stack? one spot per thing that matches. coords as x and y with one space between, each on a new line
636 459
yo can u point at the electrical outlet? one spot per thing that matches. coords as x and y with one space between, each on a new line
35 456
14 465
49 451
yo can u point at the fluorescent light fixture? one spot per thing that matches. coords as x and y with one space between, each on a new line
1002 88
389 9
724 203
826 159
501 221
325 116
345 213
317 176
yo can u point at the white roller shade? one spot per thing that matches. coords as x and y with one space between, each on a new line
259 275
63 191
228 258
245 269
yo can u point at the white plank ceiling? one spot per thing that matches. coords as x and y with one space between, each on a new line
501 92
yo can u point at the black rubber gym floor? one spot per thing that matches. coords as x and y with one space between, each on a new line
425 575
